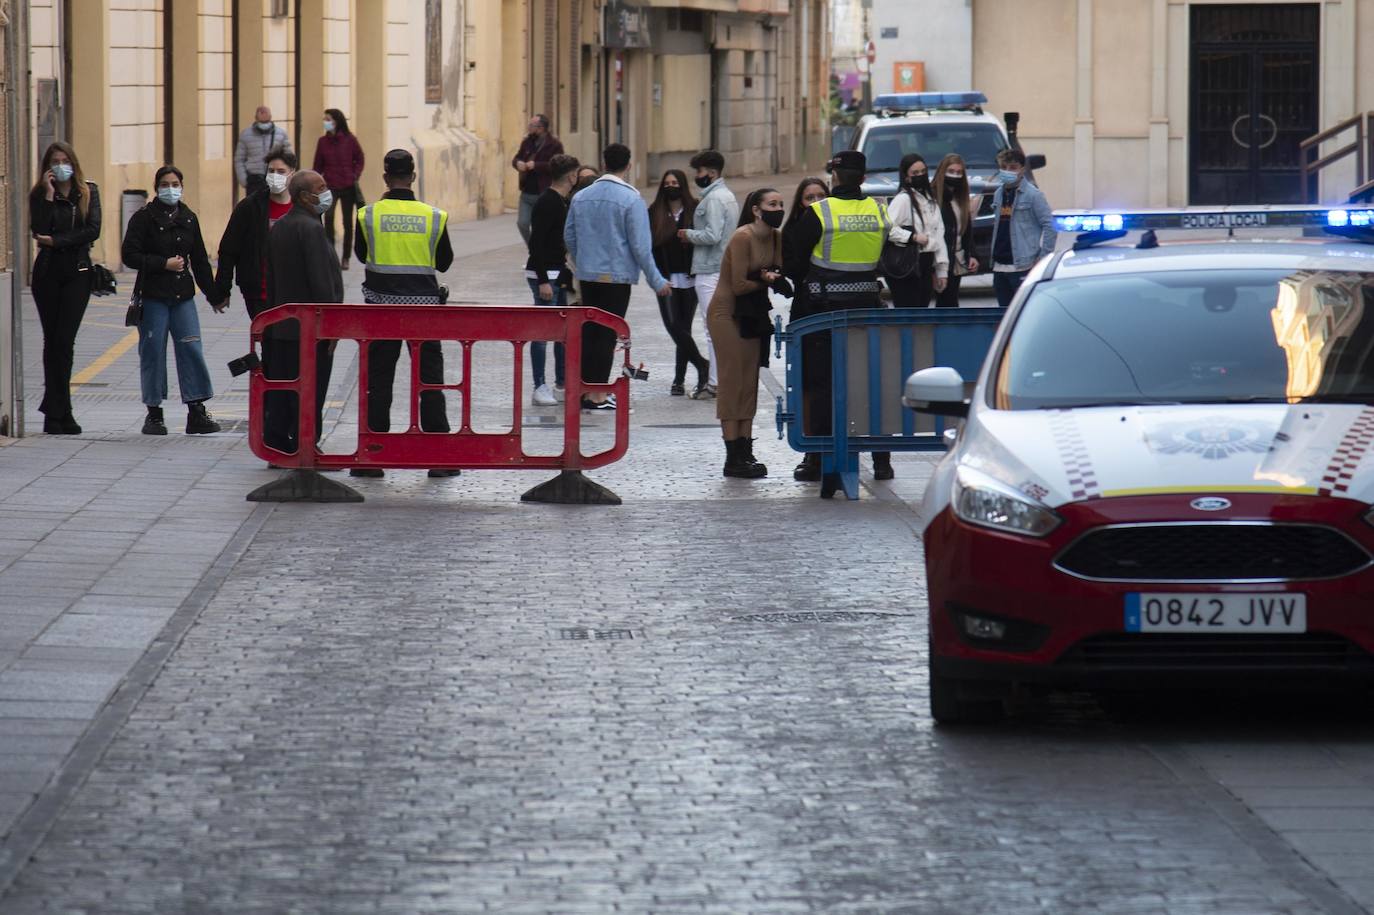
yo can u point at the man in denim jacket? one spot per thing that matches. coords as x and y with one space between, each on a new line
608 238
713 223
1024 230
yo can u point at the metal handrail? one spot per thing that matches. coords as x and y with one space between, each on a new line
1362 148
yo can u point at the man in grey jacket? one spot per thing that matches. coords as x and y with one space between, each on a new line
714 221
250 153
1024 230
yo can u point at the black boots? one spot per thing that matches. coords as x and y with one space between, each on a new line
66 425
198 421
809 470
153 423
882 465
739 460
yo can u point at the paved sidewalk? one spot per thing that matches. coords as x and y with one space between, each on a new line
711 698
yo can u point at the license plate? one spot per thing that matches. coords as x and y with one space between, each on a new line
1160 612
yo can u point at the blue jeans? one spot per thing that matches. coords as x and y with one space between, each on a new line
160 318
1006 284
537 358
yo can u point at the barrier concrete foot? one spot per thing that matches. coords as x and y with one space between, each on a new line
304 486
571 488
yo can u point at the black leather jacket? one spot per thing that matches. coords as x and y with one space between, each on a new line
72 237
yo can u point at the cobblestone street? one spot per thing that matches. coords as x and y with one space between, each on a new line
709 699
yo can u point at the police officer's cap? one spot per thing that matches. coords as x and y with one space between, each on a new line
398 162
850 160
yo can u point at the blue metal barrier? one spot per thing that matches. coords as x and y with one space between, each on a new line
873 350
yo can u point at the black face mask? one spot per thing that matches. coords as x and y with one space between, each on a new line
704 181
772 217
672 193
919 183
956 184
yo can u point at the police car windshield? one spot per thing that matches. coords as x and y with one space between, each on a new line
1203 336
885 145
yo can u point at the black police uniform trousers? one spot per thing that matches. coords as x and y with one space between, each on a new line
281 361
382 356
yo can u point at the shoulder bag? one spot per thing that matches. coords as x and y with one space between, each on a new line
903 262
133 315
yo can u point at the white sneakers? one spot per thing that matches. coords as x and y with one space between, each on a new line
543 396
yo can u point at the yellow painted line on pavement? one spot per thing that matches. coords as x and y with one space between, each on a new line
106 359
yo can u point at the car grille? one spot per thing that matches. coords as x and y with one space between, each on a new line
1183 652
1213 552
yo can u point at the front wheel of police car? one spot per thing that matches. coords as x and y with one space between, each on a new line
1164 478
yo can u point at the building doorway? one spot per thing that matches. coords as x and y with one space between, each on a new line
1253 98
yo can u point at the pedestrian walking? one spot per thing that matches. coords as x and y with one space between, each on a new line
608 238
64 217
339 158
532 162
845 234
250 153
796 264
740 327
712 223
302 266
956 214
243 255
1024 230
671 212
163 241
404 244
547 271
916 222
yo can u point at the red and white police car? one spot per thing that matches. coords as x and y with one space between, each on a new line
1163 474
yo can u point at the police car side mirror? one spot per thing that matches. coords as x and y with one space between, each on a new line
1035 161
939 391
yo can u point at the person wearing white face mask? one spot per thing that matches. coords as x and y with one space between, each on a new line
256 141
339 158
164 243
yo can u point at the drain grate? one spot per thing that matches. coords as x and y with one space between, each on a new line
588 634
819 616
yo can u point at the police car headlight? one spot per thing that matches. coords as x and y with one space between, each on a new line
987 502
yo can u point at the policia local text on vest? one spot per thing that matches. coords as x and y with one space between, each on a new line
404 245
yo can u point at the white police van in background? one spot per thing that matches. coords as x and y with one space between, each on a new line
936 124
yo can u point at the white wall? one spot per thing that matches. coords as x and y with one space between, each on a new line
936 32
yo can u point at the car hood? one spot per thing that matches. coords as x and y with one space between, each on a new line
1061 456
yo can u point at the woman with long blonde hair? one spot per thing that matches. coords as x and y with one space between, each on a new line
64 216
956 209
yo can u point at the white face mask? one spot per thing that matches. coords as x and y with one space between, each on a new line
328 126
62 172
276 182
324 201
169 195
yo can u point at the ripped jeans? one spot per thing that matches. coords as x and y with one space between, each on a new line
162 317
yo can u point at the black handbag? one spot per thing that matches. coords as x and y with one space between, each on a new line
102 281
903 262
133 315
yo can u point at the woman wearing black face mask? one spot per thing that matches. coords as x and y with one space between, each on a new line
956 210
740 324
671 211
916 221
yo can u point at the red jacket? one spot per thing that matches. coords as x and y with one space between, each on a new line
339 158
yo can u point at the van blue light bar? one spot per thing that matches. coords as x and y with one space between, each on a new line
1237 217
919 101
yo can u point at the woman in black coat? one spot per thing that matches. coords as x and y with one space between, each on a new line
796 264
64 215
164 243
672 210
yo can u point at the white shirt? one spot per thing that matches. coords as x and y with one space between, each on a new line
927 222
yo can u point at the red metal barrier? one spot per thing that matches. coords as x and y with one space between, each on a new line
463 448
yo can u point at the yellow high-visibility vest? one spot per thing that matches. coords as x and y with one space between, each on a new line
402 236
852 234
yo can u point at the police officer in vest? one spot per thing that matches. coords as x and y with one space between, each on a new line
845 234
405 246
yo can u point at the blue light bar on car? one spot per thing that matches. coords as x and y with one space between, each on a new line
920 101
1238 217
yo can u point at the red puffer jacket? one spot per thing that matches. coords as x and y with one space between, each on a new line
339 158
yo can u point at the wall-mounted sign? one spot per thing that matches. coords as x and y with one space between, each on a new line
627 26
908 76
888 31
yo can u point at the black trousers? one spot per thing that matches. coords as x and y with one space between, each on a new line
345 198
678 309
281 361
598 343
912 293
382 356
1006 284
949 297
61 302
817 410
